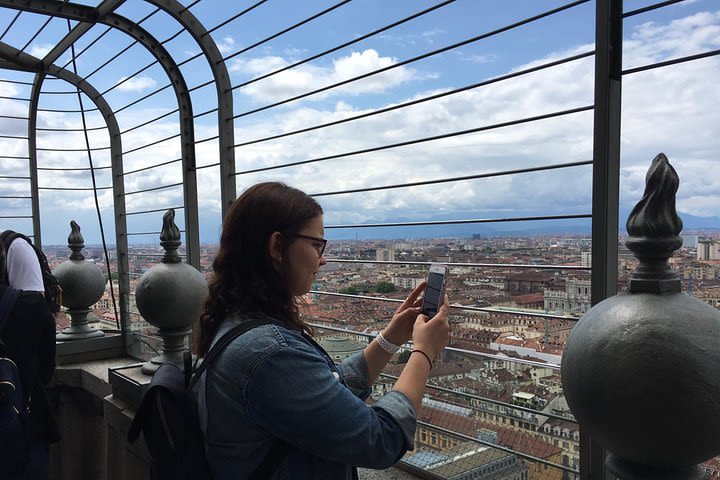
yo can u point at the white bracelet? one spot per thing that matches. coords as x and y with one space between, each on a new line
389 347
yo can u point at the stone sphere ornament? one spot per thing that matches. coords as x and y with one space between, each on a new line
170 296
641 370
82 283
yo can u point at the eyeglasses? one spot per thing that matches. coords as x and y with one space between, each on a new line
319 245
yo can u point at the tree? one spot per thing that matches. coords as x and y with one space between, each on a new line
384 287
351 290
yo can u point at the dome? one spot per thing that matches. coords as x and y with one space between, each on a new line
340 347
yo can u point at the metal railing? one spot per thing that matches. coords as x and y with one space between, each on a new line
462 411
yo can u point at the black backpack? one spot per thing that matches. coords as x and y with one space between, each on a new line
13 411
53 292
168 419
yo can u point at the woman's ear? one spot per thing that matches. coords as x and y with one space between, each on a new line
275 248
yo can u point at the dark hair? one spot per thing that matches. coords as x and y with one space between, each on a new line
244 277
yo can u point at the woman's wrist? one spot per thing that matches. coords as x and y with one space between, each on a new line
392 337
386 344
423 354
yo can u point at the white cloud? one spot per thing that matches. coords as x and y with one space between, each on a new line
227 45
295 53
40 50
428 37
311 77
481 59
663 110
668 109
136 84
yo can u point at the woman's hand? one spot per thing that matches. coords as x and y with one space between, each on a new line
431 335
400 328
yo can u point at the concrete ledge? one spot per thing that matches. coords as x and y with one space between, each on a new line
91 376
109 346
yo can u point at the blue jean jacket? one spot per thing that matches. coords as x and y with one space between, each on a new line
275 384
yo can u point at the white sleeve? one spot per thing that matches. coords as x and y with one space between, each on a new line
23 267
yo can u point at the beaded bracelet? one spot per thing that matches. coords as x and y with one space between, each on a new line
386 345
425 355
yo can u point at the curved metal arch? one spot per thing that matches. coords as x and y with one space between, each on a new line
226 131
26 62
32 155
86 14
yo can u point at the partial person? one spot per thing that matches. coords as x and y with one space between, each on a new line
28 339
274 392
23 267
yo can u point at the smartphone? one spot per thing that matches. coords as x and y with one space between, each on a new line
435 289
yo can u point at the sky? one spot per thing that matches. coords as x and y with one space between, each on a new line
671 110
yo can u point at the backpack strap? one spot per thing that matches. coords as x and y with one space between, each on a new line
223 342
272 460
9 297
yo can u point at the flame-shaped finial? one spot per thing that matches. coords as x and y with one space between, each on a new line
170 232
76 242
655 214
654 227
170 238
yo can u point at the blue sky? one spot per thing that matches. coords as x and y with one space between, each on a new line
672 109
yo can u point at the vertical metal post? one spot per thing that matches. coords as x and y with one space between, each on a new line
32 158
121 238
606 184
224 96
189 166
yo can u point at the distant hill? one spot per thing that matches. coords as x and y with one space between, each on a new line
691 222
210 233
501 229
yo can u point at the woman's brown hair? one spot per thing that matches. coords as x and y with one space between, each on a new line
244 278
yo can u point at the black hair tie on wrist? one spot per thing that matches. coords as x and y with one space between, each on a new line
425 355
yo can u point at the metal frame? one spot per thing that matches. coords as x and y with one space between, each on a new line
223 88
24 61
92 16
606 184
32 154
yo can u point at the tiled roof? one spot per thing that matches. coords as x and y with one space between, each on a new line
526 443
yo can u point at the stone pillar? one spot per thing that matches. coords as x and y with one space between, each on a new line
170 297
641 370
82 283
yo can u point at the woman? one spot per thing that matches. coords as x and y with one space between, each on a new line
273 393
27 338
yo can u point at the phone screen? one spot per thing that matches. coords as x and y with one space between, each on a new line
431 298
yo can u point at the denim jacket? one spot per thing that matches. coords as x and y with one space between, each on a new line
276 384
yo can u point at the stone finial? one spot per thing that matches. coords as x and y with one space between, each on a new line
640 370
83 284
170 296
76 242
655 215
170 238
654 227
